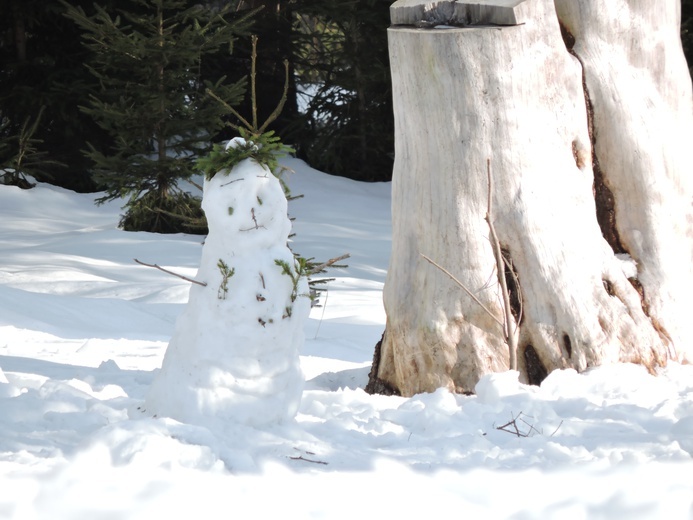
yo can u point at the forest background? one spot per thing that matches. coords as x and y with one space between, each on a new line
338 110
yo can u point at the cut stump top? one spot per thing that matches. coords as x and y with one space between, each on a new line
480 12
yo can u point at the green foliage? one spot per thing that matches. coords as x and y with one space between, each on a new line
147 59
295 273
226 273
165 212
265 149
20 156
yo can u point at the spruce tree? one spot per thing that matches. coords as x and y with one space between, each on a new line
148 58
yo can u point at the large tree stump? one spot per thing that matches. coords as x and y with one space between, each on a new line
514 94
639 91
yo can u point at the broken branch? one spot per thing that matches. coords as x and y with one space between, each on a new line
513 428
332 261
203 284
470 293
301 457
500 266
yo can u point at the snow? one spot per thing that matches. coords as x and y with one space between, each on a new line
83 331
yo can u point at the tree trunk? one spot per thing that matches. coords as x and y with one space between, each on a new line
561 156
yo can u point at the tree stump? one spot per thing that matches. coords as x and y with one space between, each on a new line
591 194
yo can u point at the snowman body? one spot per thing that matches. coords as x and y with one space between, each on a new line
234 354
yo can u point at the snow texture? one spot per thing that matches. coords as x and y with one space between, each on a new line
235 352
83 330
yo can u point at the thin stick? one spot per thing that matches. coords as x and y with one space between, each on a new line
230 109
500 266
275 114
322 316
253 96
330 262
203 284
452 277
557 428
513 428
301 457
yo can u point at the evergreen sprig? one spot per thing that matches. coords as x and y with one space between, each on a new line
226 273
295 273
265 149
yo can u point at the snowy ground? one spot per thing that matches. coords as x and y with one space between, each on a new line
83 329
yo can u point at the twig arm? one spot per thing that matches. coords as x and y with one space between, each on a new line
330 262
203 284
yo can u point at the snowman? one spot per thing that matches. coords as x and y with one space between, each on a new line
234 354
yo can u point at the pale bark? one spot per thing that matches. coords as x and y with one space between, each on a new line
640 91
514 95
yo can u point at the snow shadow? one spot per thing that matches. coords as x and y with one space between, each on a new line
77 317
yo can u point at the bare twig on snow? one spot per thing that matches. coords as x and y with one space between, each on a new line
203 284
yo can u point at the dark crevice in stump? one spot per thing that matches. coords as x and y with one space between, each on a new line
568 345
512 282
536 371
603 196
375 384
606 212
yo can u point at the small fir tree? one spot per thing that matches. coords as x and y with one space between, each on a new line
147 59
21 155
